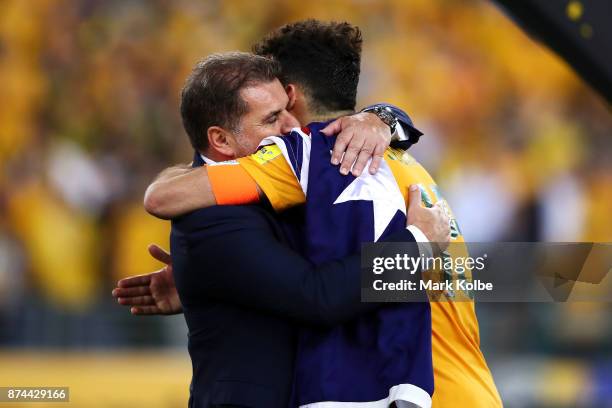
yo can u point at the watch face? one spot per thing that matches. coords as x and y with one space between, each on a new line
386 115
388 118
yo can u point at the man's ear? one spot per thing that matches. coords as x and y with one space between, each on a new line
219 141
291 93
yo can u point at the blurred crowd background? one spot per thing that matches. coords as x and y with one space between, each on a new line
89 101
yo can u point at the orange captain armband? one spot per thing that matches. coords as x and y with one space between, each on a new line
231 184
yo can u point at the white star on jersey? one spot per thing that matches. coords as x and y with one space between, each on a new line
382 190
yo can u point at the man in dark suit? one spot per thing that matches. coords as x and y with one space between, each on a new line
243 289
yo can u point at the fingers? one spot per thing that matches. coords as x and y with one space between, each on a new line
160 254
131 292
332 128
340 145
145 310
137 301
379 151
414 197
445 230
443 245
442 207
139 280
355 146
360 139
362 160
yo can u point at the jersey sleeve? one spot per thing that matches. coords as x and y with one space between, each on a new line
235 182
231 184
270 170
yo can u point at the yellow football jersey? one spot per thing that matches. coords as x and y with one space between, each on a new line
461 375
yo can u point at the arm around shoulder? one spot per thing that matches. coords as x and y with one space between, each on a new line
177 191
239 259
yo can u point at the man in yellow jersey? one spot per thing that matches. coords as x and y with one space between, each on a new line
461 375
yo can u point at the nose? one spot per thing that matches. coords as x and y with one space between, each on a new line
288 122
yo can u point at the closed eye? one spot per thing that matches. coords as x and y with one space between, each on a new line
272 117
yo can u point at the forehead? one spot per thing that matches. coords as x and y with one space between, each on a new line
265 97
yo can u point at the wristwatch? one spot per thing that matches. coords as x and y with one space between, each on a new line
385 114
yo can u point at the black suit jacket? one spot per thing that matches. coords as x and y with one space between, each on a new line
243 290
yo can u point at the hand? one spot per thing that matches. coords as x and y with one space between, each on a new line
153 293
433 222
360 137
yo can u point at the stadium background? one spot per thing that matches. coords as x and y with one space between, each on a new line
89 114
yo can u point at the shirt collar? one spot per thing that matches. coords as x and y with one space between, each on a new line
207 160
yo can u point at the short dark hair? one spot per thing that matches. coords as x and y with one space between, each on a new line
211 95
323 57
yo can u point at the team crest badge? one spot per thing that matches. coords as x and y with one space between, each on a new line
267 153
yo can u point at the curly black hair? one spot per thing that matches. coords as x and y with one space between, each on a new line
322 57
